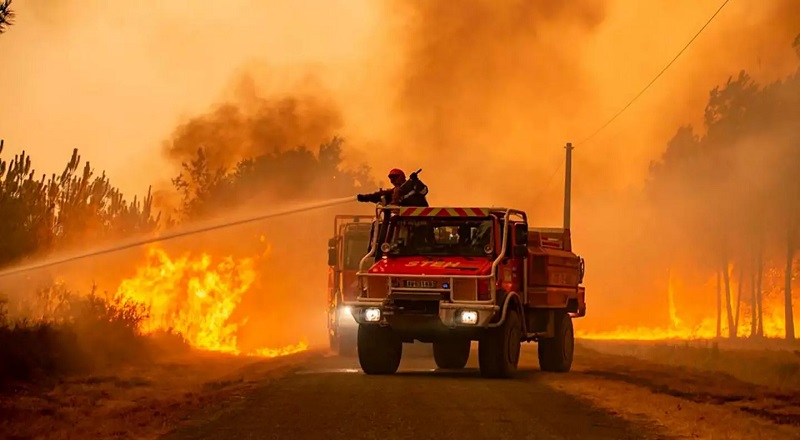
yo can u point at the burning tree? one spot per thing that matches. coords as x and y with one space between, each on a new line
732 193
43 214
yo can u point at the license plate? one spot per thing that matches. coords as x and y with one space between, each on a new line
421 284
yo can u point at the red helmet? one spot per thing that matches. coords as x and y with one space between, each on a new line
397 172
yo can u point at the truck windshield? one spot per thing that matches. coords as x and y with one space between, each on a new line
355 247
433 236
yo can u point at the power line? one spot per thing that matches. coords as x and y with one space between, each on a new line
637 96
621 111
549 181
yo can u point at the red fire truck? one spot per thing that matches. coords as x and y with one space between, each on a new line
349 244
453 275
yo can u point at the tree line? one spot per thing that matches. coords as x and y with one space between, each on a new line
46 213
728 199
281 175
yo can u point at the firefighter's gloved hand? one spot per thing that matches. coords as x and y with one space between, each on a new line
361 198
413 176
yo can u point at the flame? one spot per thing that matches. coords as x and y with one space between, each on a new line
196 299
673 311
706 328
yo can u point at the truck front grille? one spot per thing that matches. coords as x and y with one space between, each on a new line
415 307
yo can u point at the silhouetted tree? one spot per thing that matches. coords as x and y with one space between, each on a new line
283 175
62 210
733 191
6 15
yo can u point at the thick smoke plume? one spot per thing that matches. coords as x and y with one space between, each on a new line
489 91
249 125
484 85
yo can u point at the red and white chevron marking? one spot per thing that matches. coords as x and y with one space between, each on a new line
444 212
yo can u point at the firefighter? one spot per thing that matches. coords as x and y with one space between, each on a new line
410 192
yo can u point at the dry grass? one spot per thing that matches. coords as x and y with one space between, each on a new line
77 367
693 388
135 401
687 401
772 363
59 333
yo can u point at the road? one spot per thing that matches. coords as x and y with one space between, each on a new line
329 398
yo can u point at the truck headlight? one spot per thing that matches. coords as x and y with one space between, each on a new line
372 314
469 317
346 311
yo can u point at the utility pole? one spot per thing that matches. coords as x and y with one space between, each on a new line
568 185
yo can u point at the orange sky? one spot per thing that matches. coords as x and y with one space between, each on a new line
114 80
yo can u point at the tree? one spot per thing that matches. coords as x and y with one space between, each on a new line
27 219
62 210
731 194
6 15
282 175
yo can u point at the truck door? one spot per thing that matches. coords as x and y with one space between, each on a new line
511 275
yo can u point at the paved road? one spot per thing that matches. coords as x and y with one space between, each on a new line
331 399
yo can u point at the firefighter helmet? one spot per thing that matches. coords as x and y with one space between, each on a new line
397 172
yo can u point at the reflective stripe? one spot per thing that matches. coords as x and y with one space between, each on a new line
444 212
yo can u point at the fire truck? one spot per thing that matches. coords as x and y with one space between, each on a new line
347 247
453 275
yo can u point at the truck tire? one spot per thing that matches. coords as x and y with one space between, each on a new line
379 350
556 353
498 349
451 353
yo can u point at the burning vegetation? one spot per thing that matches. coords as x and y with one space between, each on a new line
722 201
197 297
723 217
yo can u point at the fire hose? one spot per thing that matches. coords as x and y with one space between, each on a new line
171 235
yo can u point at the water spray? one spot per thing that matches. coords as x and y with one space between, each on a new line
176 234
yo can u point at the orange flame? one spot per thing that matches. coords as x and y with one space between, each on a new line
196 300
706 328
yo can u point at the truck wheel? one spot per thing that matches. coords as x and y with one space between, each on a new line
498 350
379 351
451 353
555 354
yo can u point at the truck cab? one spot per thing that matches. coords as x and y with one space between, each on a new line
346 248
453 275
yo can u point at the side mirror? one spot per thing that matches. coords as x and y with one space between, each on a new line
520 250
332 252
521 234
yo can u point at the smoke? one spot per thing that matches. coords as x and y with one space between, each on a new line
483 85
250 124
115 79
480 94
489 91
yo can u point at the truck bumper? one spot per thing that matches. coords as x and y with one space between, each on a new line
447 316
